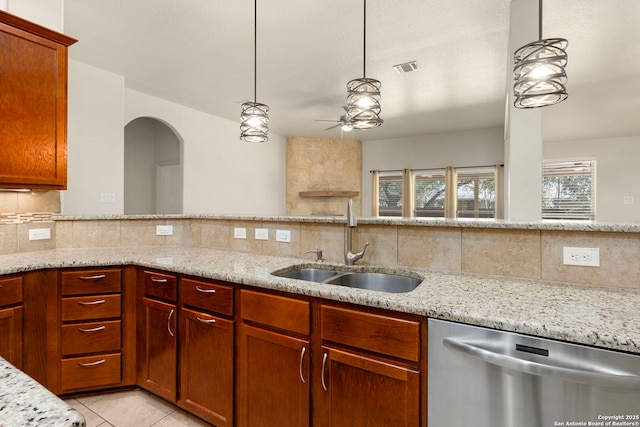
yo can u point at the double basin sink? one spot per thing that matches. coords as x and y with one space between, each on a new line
373 281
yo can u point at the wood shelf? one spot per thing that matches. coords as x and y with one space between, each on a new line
329 193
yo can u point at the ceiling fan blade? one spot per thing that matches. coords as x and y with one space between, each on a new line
334 126
323 120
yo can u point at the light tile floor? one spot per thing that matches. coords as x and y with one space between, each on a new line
131 408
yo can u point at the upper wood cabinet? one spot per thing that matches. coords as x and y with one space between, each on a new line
33 105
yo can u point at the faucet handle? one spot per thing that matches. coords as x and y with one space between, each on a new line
318 253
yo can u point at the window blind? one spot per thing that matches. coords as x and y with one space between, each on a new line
568 189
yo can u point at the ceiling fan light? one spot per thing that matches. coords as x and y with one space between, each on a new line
363 103
254 122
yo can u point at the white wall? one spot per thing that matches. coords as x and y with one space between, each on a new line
95 141
617 173
48 13
468 148
221 173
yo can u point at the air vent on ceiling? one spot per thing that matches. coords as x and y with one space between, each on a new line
406 67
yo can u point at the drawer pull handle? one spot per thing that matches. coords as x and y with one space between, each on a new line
96 277
324 363
209 321
97 329
90 303
96 363
169 322
304 350
153 279
205 291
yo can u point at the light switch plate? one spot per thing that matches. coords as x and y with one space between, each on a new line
164 230
262 234
239 233
283 236
107 198
39 234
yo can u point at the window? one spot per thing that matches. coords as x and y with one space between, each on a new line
476 192
436 192
429 193
390 194
568 190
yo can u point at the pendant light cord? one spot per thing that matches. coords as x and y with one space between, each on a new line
539 19
255 49
364 43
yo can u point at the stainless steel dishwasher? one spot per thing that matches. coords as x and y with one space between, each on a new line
481 377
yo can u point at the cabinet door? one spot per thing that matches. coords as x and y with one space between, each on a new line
273 388
33 104
11 335
160 349
359 391
206 366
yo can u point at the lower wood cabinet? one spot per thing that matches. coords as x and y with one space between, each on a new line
274 383
11 313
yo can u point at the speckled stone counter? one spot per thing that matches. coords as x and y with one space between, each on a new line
24 402
602 317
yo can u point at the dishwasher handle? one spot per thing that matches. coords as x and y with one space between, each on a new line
534 368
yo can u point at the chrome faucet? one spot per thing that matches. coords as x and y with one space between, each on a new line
349 257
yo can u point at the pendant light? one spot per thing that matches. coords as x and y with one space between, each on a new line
254 118
363 99
539 73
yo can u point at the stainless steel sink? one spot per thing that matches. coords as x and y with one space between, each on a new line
309 274
376 282
382 282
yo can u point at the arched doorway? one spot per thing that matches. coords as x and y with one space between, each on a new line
152 168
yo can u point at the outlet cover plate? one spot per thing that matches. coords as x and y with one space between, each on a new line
164 230
283 236
262 234
239 233
586 257
39 234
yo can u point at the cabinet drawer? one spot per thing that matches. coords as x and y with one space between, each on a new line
163 286
10 291
207 296
92 307
93 371
279 312
374 332
83 282
91 337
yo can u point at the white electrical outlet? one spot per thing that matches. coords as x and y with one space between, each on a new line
164 230
107 198
627 200
587 257
283 236
239 233
40 234
262 234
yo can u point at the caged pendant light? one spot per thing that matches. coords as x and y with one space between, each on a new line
539 73
254 118
363 98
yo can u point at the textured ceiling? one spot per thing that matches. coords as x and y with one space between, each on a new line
200 53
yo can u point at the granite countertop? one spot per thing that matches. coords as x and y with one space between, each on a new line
24 402
602 317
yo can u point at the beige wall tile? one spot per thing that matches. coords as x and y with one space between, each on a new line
26 245
619 258
271 247
187 232
514 253
215 234
328 237
96 234
141 232
39 201
8 239
250 244
383 240
8 202
427 247
64 234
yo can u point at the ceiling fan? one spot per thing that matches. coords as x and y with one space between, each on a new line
343 122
